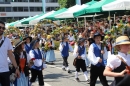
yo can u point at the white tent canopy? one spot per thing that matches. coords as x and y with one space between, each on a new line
117 5
70 11
35 21
19 23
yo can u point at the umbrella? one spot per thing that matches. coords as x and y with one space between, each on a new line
69 12
117 5
82 11
36 20
30 19
97 7
52 16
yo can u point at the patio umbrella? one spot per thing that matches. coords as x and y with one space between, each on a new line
30 19
69 12
117 5
97 7
82 11
36 20
52 16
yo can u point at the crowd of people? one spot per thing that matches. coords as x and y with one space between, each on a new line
24 58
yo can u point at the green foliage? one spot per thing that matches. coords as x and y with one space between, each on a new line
10 20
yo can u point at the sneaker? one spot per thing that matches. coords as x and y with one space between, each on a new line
88 81
77 80
63 69
69 71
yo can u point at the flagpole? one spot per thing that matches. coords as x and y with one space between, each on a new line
44 6
78 2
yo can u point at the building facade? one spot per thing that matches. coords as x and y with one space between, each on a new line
18 9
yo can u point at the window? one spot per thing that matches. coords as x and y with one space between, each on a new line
31 0
19 0
2 9
8 9
1 0
3 18
50 8
31 8
51 1
24 0
25 9
38 0
20 9
15 9
16 18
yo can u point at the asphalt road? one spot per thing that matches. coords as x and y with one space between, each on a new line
55 76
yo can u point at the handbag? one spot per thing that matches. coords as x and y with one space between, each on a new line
74 62
126 79
12 73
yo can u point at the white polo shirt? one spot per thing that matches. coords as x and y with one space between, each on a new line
3 54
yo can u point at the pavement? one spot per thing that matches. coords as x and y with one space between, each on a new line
55 76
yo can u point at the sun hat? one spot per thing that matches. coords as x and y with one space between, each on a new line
18 42
122 40
34 41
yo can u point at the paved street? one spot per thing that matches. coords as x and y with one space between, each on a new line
54 76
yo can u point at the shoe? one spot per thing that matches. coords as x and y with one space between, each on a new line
69 71
88 81
63 69
77 80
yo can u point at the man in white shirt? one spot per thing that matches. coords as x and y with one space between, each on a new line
6 51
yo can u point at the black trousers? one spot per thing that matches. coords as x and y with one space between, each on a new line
65 62
4 79
96 72
80 63
36 73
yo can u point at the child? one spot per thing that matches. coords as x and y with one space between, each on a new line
64 49
80 56
37 66
97 55
115 66
28 47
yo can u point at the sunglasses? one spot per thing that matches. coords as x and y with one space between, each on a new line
3 28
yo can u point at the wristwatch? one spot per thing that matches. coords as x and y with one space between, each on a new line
16 67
